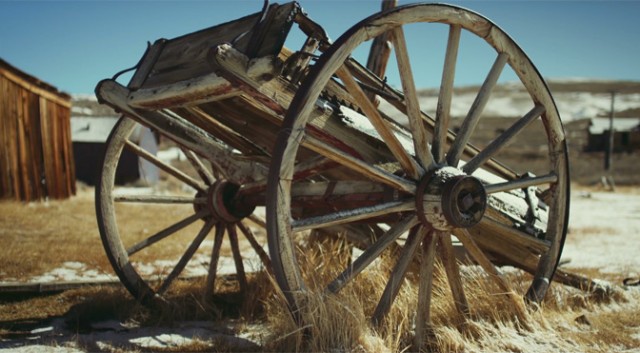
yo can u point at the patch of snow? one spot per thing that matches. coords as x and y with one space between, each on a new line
602 230
162 341
42 329
71 271
40 348
133 190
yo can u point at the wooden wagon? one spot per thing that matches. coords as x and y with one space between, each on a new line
325 144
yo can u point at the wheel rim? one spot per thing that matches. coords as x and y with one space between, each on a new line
140 232
420 161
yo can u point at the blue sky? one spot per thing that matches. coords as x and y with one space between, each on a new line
74 44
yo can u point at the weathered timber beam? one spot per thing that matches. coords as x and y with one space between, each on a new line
184 133
206 88
274 94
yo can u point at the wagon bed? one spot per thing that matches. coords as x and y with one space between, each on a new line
329 147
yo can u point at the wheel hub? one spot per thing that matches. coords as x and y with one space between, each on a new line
221 203
447 198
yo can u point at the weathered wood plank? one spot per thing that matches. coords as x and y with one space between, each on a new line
398 274
503 140
22 172
424 329
406 161
417 125
443 109
371 253
273 97
146 65
187 57
450 264
23 152
185 133
475 112
55 98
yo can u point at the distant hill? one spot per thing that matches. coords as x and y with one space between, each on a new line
575 98
594 86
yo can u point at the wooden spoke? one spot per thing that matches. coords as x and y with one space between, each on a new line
379 53
166 232
418 130
197 164
446 252
255 245
257 220
503 140
396 98
469 123
213 263
423 317
237 257
395 279
167 168
348 216
558 216
443 108
522 183
362 235
478 255
359 166
160 199
184 260
406 161
372 252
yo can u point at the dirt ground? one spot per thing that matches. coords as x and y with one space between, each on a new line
602 242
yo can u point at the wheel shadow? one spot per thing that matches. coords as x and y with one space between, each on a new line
104 320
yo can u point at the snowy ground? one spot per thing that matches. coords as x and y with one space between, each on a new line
604 233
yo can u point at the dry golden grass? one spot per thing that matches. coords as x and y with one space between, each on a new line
568 320
41 237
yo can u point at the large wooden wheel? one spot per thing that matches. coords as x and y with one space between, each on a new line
440 184
157 239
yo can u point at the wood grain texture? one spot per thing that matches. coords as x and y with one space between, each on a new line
35 139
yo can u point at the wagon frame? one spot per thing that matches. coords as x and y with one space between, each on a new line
284 129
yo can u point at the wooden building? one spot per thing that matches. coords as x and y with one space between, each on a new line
89 135
36 158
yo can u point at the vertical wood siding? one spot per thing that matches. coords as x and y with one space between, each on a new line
36 158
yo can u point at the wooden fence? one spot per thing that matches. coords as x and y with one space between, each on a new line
36 155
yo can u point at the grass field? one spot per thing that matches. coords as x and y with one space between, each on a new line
39 238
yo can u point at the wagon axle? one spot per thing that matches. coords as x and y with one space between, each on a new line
222 203
447 199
